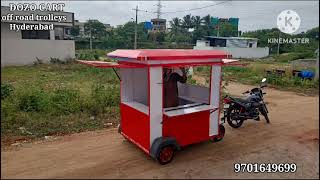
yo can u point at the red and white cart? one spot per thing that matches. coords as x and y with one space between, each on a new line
160 131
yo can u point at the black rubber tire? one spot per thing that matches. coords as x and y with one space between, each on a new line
222 132
230 122
267 118
265 114
166 158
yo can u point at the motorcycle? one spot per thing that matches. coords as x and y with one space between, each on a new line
237 110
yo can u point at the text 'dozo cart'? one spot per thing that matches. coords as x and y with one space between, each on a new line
157 130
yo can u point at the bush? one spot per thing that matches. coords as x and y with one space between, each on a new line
6 90
87 54
63 102
102 97
30 102
56 61
288 57
297 82
69 60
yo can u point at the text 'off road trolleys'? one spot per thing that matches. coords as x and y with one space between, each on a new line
157 130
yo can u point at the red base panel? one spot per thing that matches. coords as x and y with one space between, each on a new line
135 126
187 129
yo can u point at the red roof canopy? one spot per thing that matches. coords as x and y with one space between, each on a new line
168 54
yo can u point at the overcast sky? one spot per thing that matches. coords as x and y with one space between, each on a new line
253 14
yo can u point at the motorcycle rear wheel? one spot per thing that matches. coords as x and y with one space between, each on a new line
233 123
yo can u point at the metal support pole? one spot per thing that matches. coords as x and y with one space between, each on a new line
278 50
116 74
90 35
317 67
135 29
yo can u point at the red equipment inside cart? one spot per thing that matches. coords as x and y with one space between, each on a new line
143 117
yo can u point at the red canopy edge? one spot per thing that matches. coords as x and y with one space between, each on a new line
104 64
168 54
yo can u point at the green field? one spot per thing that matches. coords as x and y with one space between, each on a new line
54 99
50 99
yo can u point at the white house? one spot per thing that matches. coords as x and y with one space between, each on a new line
239 47
22 47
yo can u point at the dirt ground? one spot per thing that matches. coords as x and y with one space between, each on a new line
292 137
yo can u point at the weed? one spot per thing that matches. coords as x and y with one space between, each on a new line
56 61
38 61
6 90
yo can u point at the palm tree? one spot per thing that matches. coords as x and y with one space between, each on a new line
206 20
175 24
187 22
196 21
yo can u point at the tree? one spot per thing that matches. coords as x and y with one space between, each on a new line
97 29
226 29
175 25
206 21
75 31
176 29
305 50
187 22
196 21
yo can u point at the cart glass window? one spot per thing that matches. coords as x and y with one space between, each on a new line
134 88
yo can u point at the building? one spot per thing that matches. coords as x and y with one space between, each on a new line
81 27
158 25
25 45
239 47
108 27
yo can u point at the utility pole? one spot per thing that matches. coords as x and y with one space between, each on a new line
317 66
159 9
90 35
135 28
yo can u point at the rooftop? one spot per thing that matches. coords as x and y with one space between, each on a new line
156 19
218 37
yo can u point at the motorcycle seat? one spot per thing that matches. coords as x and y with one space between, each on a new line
242 100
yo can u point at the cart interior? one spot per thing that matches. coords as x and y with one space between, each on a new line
134 93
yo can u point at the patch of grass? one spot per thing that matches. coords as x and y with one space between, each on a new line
94 54
6 90
288 57
57 98
255 71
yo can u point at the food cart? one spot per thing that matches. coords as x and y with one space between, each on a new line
160 131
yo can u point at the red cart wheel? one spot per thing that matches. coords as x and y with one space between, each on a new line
220 136
165 155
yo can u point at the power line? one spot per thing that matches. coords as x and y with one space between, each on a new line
185 10
197 8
